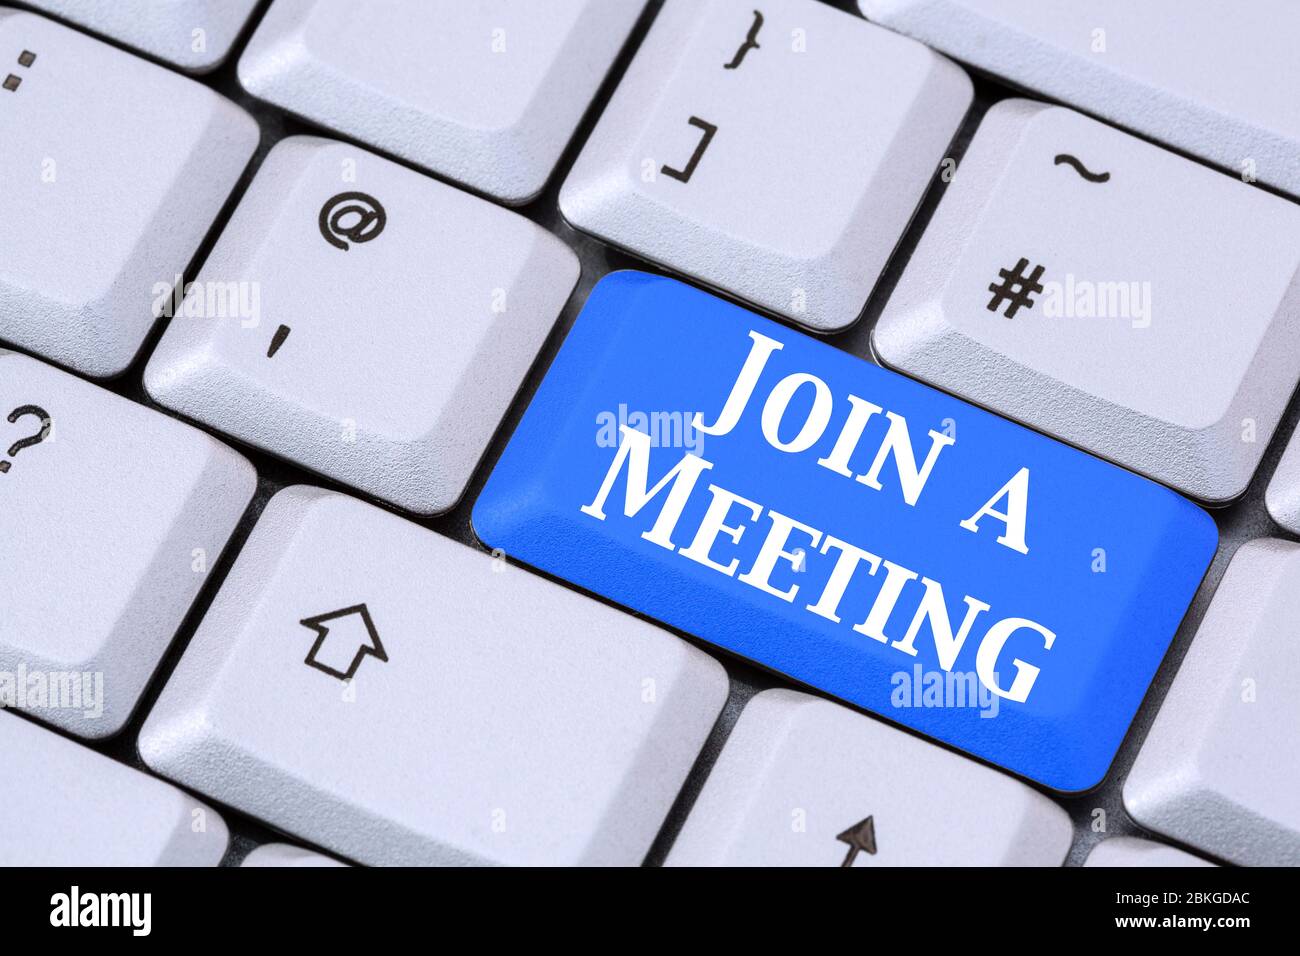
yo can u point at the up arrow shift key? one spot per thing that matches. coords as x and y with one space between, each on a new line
855 530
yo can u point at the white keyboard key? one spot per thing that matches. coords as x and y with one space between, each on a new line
112 514
1282 496
1214 78
382 352
485 93
114 170
1110 293
394 697
1219 769
805 782
777 154
270 855
65 805
195 35
1135 852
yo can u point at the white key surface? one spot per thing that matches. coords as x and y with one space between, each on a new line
195 35
782 172
1166 332
111 516
490 716
65 805
485 93
1214 78
1282 494
806 782
386 365
1136 852
1219 769
114 170
277 855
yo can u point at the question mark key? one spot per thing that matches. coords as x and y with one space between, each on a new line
109 532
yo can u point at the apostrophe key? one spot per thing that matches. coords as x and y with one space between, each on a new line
389 321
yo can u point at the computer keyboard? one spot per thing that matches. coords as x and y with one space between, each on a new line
118 169
841 524
1134 852
486 94
1282 496
441 708
1073 274
796 767
113 515
381 352
750 150
1194 779
66 805
283 855
307 563
1211 78
191 35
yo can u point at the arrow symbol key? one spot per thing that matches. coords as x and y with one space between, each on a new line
861 838
346 642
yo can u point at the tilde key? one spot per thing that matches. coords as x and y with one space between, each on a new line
855 530
1122 268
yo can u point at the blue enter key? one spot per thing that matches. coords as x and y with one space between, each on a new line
859 532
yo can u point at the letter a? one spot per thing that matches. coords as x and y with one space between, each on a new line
1016 491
